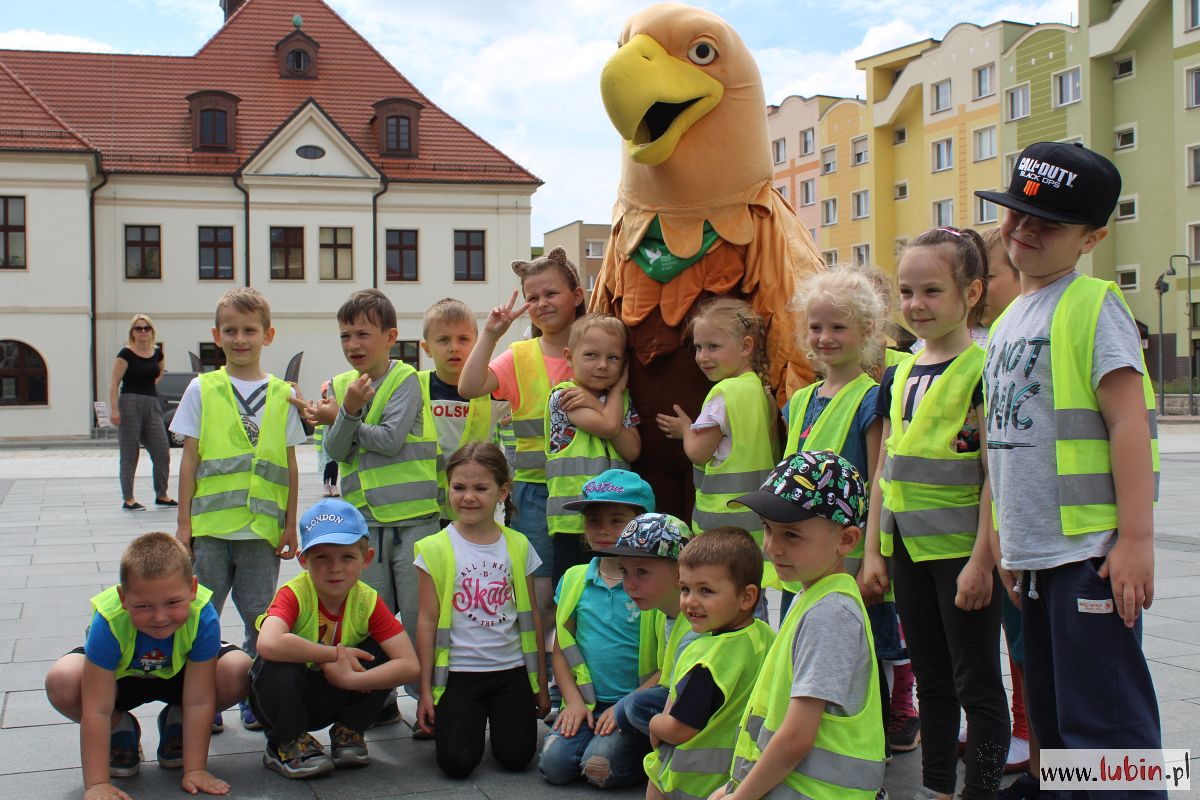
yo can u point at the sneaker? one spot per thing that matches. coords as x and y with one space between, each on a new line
349 749
249 721
1018 756
125 748
389 714
1025 787
881 795
303 758
904 734
327 489
218 723
962 741
170 737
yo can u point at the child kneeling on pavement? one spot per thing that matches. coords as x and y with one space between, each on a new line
329 650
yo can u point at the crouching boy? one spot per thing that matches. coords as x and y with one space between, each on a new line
329 650
153 637
720 576
813 721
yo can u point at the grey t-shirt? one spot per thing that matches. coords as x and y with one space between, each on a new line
831 659
1020 425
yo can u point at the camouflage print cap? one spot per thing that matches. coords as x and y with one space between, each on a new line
818 483
651 536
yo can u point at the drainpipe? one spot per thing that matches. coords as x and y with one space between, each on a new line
92 273
375 230
237 184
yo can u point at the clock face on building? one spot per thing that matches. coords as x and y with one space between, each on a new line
298 61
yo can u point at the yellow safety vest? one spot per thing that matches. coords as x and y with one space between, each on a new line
670 647
649 644
930 490
438 552
108 604
528 421
574 581
893 358
847 756
478 428
356 611
701 765
239 486
585 457
391 488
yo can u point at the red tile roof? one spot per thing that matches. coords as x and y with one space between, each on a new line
134 110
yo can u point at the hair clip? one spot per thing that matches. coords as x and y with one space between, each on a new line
951 231
745 322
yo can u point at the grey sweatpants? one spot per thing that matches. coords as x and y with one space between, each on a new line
248 567
142 426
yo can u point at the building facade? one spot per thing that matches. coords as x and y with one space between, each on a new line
584 243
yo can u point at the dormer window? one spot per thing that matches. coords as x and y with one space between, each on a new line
214 120
297 54
396 122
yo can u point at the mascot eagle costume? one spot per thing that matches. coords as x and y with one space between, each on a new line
696 217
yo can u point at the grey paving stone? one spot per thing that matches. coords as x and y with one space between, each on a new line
12 581
10 610
1158 647
29 708
1167 588
46 648
14 560
1174 682
15 677
6 650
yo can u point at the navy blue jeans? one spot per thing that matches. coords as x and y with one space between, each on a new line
634 711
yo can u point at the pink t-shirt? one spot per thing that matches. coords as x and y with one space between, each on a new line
505 370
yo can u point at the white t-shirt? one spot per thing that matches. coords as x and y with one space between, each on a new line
484 636
715 415
188 415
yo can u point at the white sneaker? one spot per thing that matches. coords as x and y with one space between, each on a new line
328 489
1018 756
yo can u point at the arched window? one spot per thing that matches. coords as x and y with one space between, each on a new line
213 115
213 132
23 377
397 123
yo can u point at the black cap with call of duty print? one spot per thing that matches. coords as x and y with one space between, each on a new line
1062 182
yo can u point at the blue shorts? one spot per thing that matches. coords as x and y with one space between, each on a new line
885 627
530 499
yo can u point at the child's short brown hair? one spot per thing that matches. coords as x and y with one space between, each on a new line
371 305
605 322
729 547
247 301
447 311
155 555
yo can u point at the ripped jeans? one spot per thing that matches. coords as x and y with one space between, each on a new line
605 761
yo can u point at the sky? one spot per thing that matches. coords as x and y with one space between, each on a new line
525 75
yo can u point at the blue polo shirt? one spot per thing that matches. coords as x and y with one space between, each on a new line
606 629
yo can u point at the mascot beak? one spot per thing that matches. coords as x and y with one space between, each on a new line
653 98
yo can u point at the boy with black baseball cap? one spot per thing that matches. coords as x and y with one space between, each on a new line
1073 459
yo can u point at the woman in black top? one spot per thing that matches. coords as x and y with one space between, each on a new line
136 370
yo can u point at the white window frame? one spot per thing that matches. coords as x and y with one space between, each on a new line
808 192
900 136
587 248
1121 59
934 88
808 141
783 192
990 71
975 134
1010 164
1055 86
1191 88
1129 198
830 257
1191 15
860 260
828 204
933 155
779 151
1121 130
900 191
1126 269
935 205
1008 105
859 157
829 167
982 204
860 198
1193 247
1191 158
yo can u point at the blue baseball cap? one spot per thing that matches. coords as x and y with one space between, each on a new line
331 521
615 486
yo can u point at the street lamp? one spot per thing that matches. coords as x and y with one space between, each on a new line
1161 286
1188 331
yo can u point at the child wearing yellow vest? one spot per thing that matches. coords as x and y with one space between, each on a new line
694 736
479 634
1071 413
330 650
449 331
598 648
930 505
590 428
238 479
811 728
155 637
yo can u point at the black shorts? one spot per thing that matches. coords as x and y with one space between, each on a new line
133 692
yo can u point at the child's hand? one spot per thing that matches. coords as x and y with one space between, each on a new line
358 394
1009 579
322 412
1130 566
606 723
974 587
543 703
199 780
425 712
719 794
104 791
571 717
674 427
287 545
576 398
873 578
183 532
501 317
341 672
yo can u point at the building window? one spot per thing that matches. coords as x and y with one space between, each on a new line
211 357
1125 138
213 130
1066 87
860 255
943 213
337 254
901 192
779 150
858 151
143 251
985 211
860 204
1122 67
829 211
408 351
399 134
287 254
940 95
310 151
1193 88
1193 165
1194 249
468 256
829 257
12 233
985 81
900 136
216 253
1018 102
1193 14
23 378
591 281
808 141
829 160
1126 209
1127 278
985 143
594 248
213 119
808 192
397 126
782 191
1010 163
943 155
402 255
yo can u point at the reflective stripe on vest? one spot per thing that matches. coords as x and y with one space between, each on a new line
108 604
528 421
477 428
930 490
584 457
438 553
240 486
847 756
391 487
702 764
356 611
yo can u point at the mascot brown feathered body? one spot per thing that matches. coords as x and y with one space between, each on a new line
696 217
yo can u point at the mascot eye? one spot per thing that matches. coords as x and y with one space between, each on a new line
702 53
